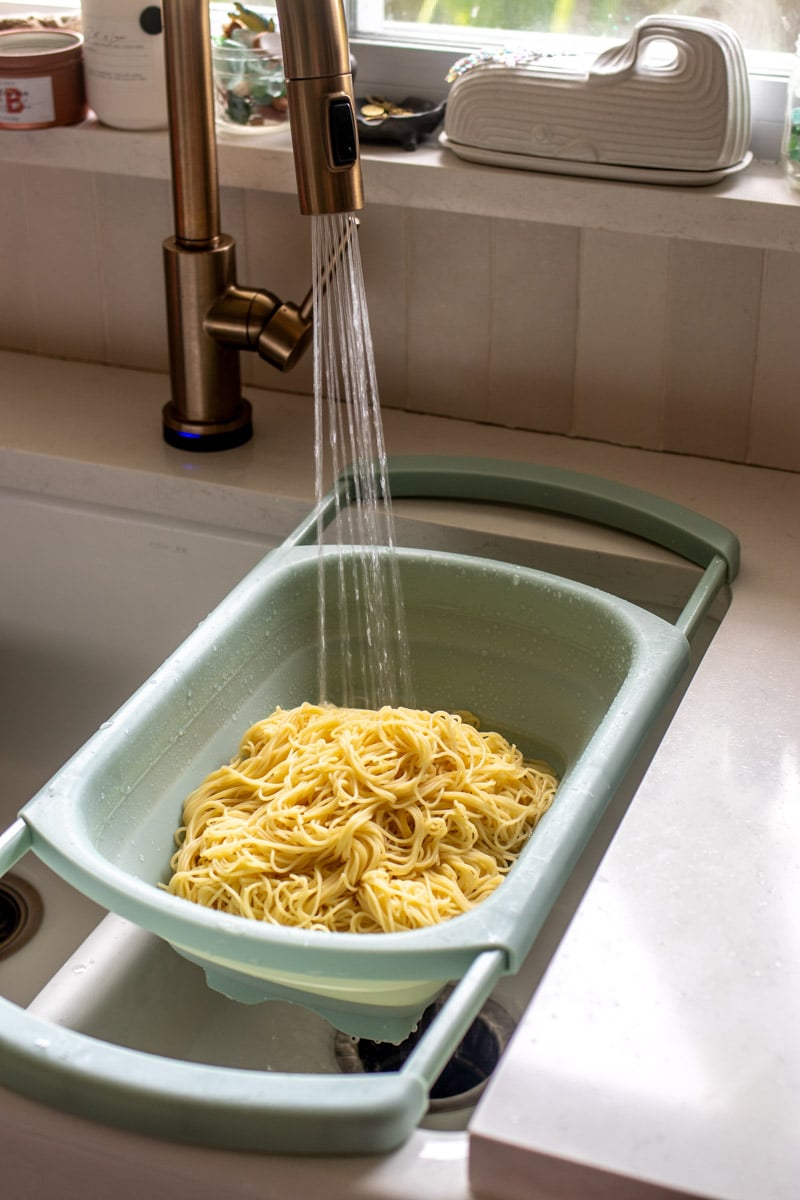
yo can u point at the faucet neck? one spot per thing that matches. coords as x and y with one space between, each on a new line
210 317
190 98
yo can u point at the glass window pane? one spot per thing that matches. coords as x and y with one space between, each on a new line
771 25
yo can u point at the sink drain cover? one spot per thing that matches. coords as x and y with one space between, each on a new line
465 1075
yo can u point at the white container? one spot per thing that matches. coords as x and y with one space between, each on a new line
671 105
124 63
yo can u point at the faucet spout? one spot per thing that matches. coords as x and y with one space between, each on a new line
319 87
210 317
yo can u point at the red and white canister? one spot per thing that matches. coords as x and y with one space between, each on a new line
41 78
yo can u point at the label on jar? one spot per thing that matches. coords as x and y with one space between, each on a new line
27 101
119 49
123 58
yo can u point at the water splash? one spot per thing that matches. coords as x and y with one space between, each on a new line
366 616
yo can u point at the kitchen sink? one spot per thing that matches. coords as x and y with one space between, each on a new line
93 599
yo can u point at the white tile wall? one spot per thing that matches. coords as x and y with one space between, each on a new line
448 314
18 321
712 328
62 262
775 412
134 218
533 301
384 247
620 345
667 344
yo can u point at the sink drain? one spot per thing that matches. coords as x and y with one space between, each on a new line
20 914
465 1075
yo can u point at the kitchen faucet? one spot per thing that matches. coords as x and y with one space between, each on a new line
210 317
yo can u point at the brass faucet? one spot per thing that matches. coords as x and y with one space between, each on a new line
210 317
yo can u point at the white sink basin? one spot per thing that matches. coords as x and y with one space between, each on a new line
91 601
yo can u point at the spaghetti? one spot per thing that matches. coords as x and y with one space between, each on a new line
358 820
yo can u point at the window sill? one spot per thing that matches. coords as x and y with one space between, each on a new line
753 208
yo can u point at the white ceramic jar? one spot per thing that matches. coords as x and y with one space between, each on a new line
124 63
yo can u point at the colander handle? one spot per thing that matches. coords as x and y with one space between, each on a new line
601 501
227 1107
222 1107
546 489
553 489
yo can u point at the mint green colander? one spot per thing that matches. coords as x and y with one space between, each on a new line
568 672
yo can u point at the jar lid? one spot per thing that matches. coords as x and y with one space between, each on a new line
38 47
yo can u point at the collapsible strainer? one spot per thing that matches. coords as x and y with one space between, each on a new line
568 672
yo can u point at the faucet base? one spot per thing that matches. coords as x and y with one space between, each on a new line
202 436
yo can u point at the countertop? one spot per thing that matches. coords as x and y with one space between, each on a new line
660 1055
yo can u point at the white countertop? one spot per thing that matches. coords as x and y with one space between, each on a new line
662 1044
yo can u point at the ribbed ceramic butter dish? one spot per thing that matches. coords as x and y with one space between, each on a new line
568 672
671 105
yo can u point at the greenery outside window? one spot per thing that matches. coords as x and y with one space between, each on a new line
763 25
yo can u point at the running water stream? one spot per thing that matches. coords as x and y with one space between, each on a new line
370 630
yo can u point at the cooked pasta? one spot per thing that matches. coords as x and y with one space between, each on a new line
358 820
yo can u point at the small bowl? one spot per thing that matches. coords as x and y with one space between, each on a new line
409 126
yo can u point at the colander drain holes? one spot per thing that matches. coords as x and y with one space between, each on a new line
20 914
464 1076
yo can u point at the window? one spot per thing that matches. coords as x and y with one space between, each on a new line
763 25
